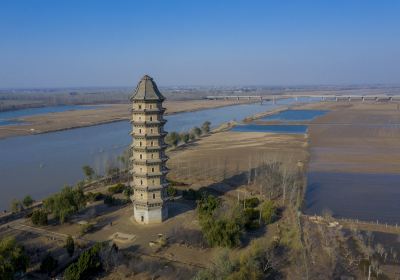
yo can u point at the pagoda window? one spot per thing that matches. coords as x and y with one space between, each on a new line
154 195
151 106
140 106
141 156
152 155
152 169
151 118
141 182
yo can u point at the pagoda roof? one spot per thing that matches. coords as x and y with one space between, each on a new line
147 90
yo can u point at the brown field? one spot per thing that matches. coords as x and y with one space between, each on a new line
111 113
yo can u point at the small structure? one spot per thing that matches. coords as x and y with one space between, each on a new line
148 154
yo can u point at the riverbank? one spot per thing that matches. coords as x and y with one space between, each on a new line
105 114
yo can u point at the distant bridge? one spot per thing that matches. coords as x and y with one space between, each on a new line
274 98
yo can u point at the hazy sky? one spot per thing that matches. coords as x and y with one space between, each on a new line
113 43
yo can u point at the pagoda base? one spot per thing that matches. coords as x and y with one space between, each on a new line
150 215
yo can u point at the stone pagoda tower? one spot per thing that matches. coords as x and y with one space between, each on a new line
148 154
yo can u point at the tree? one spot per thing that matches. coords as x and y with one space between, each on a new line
88 264
196 131
48 264
268 212
128 192
70 245
65 203
205 128
172 139
39 217
88 171
184 137
16 206
27 201
13 258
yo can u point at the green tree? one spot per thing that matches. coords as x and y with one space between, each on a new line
128 192
16 206
184 137
88 171
172 139
205 128
65 203
27 201
48 264
70 245
13 258
39 217
88 264
268 212
196 131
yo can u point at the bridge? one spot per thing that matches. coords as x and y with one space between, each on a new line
274 98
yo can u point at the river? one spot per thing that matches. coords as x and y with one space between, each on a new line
41 164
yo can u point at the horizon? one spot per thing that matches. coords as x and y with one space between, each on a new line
104 44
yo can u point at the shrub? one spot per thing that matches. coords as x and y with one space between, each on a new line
172 139
128 192
172 191
65 203
196 131
39 217
88 171
118 188
70 245
13 258
16 206
88 264
251 202
90 196
223 232
27 201
86 228
48 264
184 137
268 212
205 128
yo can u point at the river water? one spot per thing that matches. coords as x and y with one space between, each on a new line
41 164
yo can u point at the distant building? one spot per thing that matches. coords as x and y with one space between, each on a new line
148 154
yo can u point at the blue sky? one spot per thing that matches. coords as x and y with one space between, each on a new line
49 43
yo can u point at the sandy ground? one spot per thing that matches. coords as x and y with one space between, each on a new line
356 137
113 112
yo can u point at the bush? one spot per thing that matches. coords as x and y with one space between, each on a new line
251 202
28 201
128 192
268 212
205 128
86 228
196 131
184 137
48 264
16 206
70 245
172 139
88 171
171 191
118 188
13 258
223 232
90 196
39 217
88 264
65 203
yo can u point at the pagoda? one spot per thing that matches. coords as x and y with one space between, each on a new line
148 159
